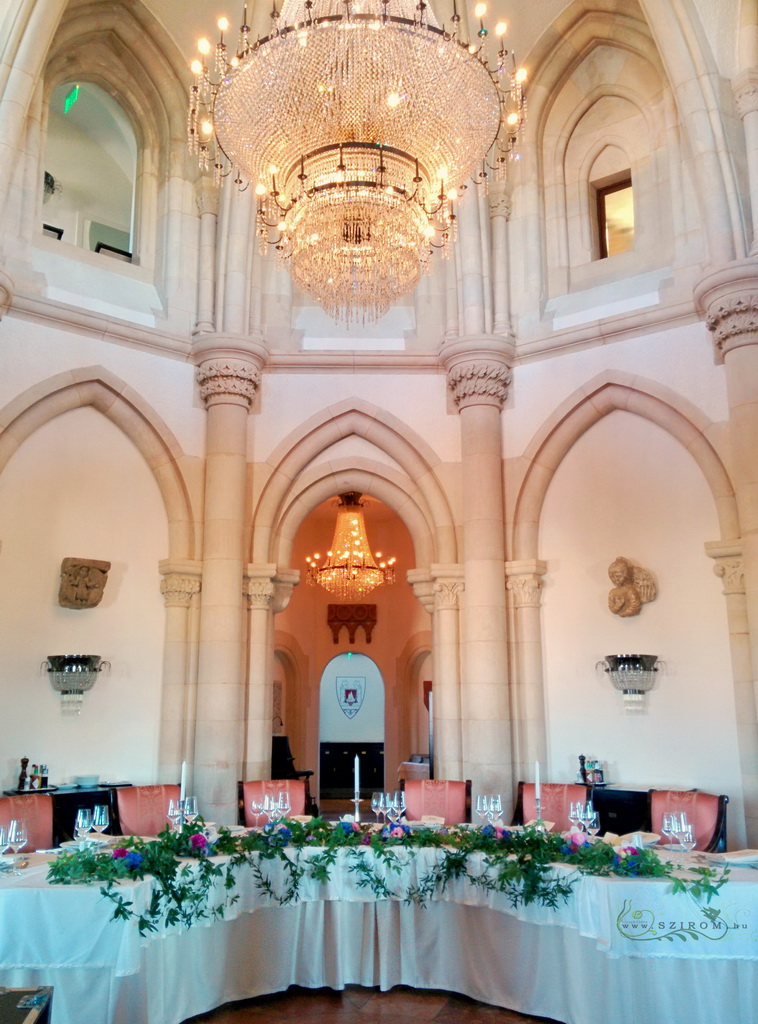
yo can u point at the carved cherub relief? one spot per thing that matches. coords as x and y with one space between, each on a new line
82 582
633 586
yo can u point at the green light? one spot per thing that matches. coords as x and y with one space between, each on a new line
349 654
71 98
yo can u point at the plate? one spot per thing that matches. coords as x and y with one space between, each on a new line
91 840
648 839
741 858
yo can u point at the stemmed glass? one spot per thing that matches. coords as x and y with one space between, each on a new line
269 807
18 837
190 809
482 806
257 810
682 832
101 818
377 804
591 820
576 813
687 840
174 814
285 804
495 808
400 803
667 826
82 825
4 845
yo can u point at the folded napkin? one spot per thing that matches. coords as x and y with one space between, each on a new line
432 819
741 858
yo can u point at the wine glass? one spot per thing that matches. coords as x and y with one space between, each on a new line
495 808
391 808
576 812
256 808
190 808
83 824
482 806
174 814
591 820
269 807
681 830
4 845
18 837
400 803
101 817
377 804
687 840
285 804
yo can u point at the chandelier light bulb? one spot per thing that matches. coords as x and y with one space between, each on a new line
501 28
206 128
364 113
521 75
512 119
196 67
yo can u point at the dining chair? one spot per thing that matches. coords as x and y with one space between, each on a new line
556 799
142 809
257 789
706 812
37 811
441 798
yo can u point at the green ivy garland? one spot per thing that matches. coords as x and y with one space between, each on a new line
186 867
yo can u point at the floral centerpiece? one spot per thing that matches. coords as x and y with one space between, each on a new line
189 868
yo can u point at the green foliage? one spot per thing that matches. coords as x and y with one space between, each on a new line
194 880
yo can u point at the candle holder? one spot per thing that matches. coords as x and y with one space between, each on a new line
357 802
540 826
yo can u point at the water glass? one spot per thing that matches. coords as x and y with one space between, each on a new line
591 820
495 808
284 804
482 806
18 837
83 823
576 813
377 804
190 808
174 814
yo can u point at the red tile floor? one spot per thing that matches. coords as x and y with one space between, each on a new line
357 1005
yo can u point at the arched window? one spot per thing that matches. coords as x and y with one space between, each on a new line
90 171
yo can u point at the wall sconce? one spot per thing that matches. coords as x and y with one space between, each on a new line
633 675
72 675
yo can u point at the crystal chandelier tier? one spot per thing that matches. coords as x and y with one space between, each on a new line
350 571
357 123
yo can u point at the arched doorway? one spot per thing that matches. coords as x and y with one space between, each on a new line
351 724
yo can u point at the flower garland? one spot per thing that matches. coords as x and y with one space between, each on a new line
186 867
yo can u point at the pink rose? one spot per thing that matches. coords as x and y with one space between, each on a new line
119 852
198 841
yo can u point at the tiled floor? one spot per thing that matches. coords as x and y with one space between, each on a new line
362 1006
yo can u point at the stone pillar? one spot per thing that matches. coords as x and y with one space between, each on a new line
524 583
446 668
729 567
478 374
267 592
746 100
500 212
179 586
729 298
206 199
228 375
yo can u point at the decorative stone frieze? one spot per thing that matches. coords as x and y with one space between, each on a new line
228 378
178 589
524 581
351 616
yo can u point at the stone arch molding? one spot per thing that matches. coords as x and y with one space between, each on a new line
98 388
607 393
299 482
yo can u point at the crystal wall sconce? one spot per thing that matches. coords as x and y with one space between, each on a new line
633 675
72 675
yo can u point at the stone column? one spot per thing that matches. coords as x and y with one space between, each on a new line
729 567
729 298
524 583
746 100
500 212
478 374
228 375
447 588
206 199
179 586
268 592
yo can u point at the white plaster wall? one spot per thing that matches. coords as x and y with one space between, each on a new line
628 488
680 358
33 352
78 487
367 726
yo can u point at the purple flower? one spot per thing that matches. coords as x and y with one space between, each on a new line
134 859
119 852
198 841
366 840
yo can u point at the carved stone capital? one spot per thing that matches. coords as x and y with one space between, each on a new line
729 300
228 379
447 594
421 584
499 196
745 90
478 370
178 590
524 581
284 584
259 593
728 565
206 196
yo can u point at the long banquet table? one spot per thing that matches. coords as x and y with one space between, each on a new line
620 950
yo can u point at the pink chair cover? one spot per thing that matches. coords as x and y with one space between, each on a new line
142 809
701 809
556 801
36 809
256 789
442 798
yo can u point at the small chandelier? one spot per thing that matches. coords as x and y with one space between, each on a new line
72 675
633 675
350 571
358 123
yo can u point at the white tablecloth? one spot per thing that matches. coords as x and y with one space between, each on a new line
619 951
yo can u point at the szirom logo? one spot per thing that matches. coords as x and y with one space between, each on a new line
643 925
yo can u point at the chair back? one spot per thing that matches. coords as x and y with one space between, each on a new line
257 789
442 798
556 799
142 809
706 812
37 811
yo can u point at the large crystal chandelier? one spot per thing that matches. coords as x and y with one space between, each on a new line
350 571
357 123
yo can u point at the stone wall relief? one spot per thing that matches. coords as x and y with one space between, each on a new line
82 582
633 586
